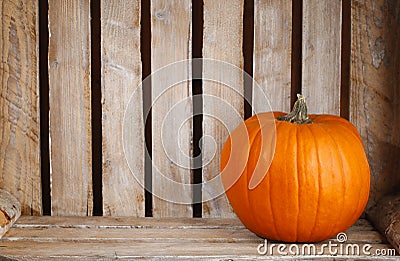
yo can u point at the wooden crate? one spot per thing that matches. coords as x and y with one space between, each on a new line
68 70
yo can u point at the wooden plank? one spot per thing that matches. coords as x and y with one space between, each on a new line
171 142
10 210
375 89
70 108
133 235
127 222
176 251
322 21
130 237
159 251
121 77
272 54
156 235
222 40
19 104
386 217
162 235
134 222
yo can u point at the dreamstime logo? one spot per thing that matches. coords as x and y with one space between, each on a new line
324 249
172 101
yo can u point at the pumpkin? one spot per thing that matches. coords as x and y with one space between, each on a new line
315 185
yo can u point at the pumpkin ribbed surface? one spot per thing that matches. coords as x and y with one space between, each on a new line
316 186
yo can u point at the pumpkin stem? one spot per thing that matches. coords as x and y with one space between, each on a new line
299 113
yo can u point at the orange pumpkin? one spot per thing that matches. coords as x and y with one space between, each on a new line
316 186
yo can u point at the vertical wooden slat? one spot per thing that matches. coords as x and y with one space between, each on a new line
171 42
222 40
19 104
321 55
70 107
121 77
272 54
375 89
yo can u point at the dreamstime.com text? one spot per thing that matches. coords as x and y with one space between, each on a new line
330 248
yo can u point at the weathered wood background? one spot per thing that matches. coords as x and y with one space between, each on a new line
70 103
350 66
120 27
19 104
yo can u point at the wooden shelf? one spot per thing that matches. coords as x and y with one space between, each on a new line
149 238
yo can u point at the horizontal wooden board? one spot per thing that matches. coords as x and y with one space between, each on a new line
153 238
149 235
127 222
162 235
164 251
151 230
134 222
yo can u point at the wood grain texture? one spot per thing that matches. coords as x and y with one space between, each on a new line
148 235
10 210
19 104
70 107
160 235
172 137
121 76
222 40
178 238
162 251
322 20
134 222
385 215
375 89
146 223
272 54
